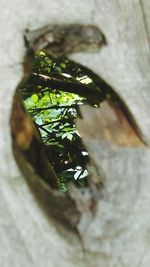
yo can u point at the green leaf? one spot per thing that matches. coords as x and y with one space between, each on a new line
38 120
64 135
63 65
34 98
69 136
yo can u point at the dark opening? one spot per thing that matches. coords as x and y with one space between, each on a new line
44 113
52 95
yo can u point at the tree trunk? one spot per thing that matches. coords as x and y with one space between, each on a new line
107 224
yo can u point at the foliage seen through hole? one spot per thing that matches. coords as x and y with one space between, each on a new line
54 112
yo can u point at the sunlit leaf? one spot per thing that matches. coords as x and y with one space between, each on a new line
34 98
38 120
69 136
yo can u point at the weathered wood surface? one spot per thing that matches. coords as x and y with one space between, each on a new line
113 226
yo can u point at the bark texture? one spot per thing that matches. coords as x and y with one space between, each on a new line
108 224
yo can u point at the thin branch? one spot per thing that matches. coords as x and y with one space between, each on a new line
52 107
51 122
64 85
42 128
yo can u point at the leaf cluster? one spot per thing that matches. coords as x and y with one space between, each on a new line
54 111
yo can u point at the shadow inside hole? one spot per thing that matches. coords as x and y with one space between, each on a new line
43 119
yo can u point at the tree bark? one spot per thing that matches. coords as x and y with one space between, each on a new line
108 223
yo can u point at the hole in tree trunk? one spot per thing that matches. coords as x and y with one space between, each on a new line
46 144
43 119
